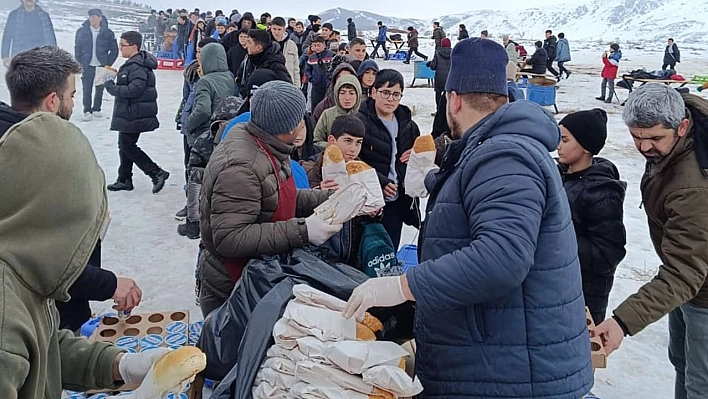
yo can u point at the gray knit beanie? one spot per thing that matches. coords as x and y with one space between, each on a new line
278 107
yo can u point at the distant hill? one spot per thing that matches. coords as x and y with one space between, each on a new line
366 21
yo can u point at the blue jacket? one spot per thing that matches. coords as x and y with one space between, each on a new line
317 67
500 310
381 38
562 50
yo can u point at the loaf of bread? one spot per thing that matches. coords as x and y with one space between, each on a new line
332 154
364 333
372 322
354 167
110 68
172 372
380 393
424 144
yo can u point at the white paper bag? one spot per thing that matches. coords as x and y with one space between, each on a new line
324 324
336 171
309 391
285 334
374 195
330 377
314 349
265 390
344 204
313 297
294 355
393 379
355 357
280 364
419 165
101 74
275 378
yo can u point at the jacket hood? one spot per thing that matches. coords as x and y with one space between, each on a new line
445 52
49 226
522 118
8 117
214 59
341 67
143 58
617 55
602 172
352 81
104 23
365 66
191 72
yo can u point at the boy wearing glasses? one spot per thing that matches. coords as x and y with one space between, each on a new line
390 133
135 112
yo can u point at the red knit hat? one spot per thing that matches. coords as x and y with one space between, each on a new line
445 42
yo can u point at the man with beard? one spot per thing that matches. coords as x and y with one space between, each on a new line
499 301
44 80
670 132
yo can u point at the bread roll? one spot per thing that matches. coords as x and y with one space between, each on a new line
364 333
354 167
372 322
402 364
176 368
110 68
424 144
332 154
380 393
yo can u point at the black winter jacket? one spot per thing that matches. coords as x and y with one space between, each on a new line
596 196
135 107
671 58
106 45
550 46
376 148
9 117
351 30
271 58
538 61
441 65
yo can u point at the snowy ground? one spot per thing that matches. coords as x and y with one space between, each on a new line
142 241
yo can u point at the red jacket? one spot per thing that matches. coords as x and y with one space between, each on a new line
610 70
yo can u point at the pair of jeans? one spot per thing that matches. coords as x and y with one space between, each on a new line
688 350
415 50
549 68
605 83
87 77
129 154
376 50
562 68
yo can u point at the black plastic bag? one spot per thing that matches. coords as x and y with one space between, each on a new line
262 294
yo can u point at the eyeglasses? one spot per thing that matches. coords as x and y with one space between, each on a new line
386 94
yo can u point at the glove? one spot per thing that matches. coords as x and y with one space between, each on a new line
133 367
109 78
319 231
374 292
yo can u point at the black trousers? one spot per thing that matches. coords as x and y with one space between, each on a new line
415 50
187 150
87 77
562 68
549 67
130 154
670 65
394 213
376 50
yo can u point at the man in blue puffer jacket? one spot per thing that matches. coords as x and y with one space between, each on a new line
499 301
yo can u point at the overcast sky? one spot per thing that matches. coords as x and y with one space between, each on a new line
426 9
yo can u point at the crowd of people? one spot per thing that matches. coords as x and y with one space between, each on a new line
509 234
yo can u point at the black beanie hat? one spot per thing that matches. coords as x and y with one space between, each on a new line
588 127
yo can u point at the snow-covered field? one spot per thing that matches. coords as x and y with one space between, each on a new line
142 241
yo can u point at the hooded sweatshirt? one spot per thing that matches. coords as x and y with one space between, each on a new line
62 219
215 84
328 101
324 125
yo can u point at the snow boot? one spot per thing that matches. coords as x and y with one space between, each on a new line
601 98
189 230
567 74
182 214
121 185
158 180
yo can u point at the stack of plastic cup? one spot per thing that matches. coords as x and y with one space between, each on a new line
74 395
175 340
177 396
150 341
195 331
127 343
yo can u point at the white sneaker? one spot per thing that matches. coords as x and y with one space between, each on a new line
87 117
97 114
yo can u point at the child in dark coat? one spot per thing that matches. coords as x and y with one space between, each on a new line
318 64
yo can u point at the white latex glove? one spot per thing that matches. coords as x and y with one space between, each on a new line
319 231
374 292
133 367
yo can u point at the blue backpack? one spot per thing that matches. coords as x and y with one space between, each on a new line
377 256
